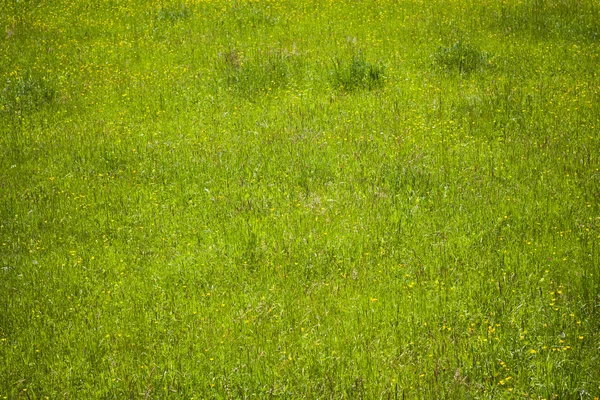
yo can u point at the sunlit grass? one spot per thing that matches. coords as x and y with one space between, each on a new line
299 200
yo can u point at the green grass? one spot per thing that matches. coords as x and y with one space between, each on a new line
309 199
461 57
356 73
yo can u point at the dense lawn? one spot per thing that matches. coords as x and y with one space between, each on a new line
300 199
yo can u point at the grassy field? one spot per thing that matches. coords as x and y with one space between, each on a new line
300 199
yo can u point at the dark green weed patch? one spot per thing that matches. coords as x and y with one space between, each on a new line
356 73
461 57
259 73
27 93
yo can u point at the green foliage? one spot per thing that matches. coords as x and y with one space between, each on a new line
357 73
461 57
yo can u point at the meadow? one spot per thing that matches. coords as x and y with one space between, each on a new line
353 199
